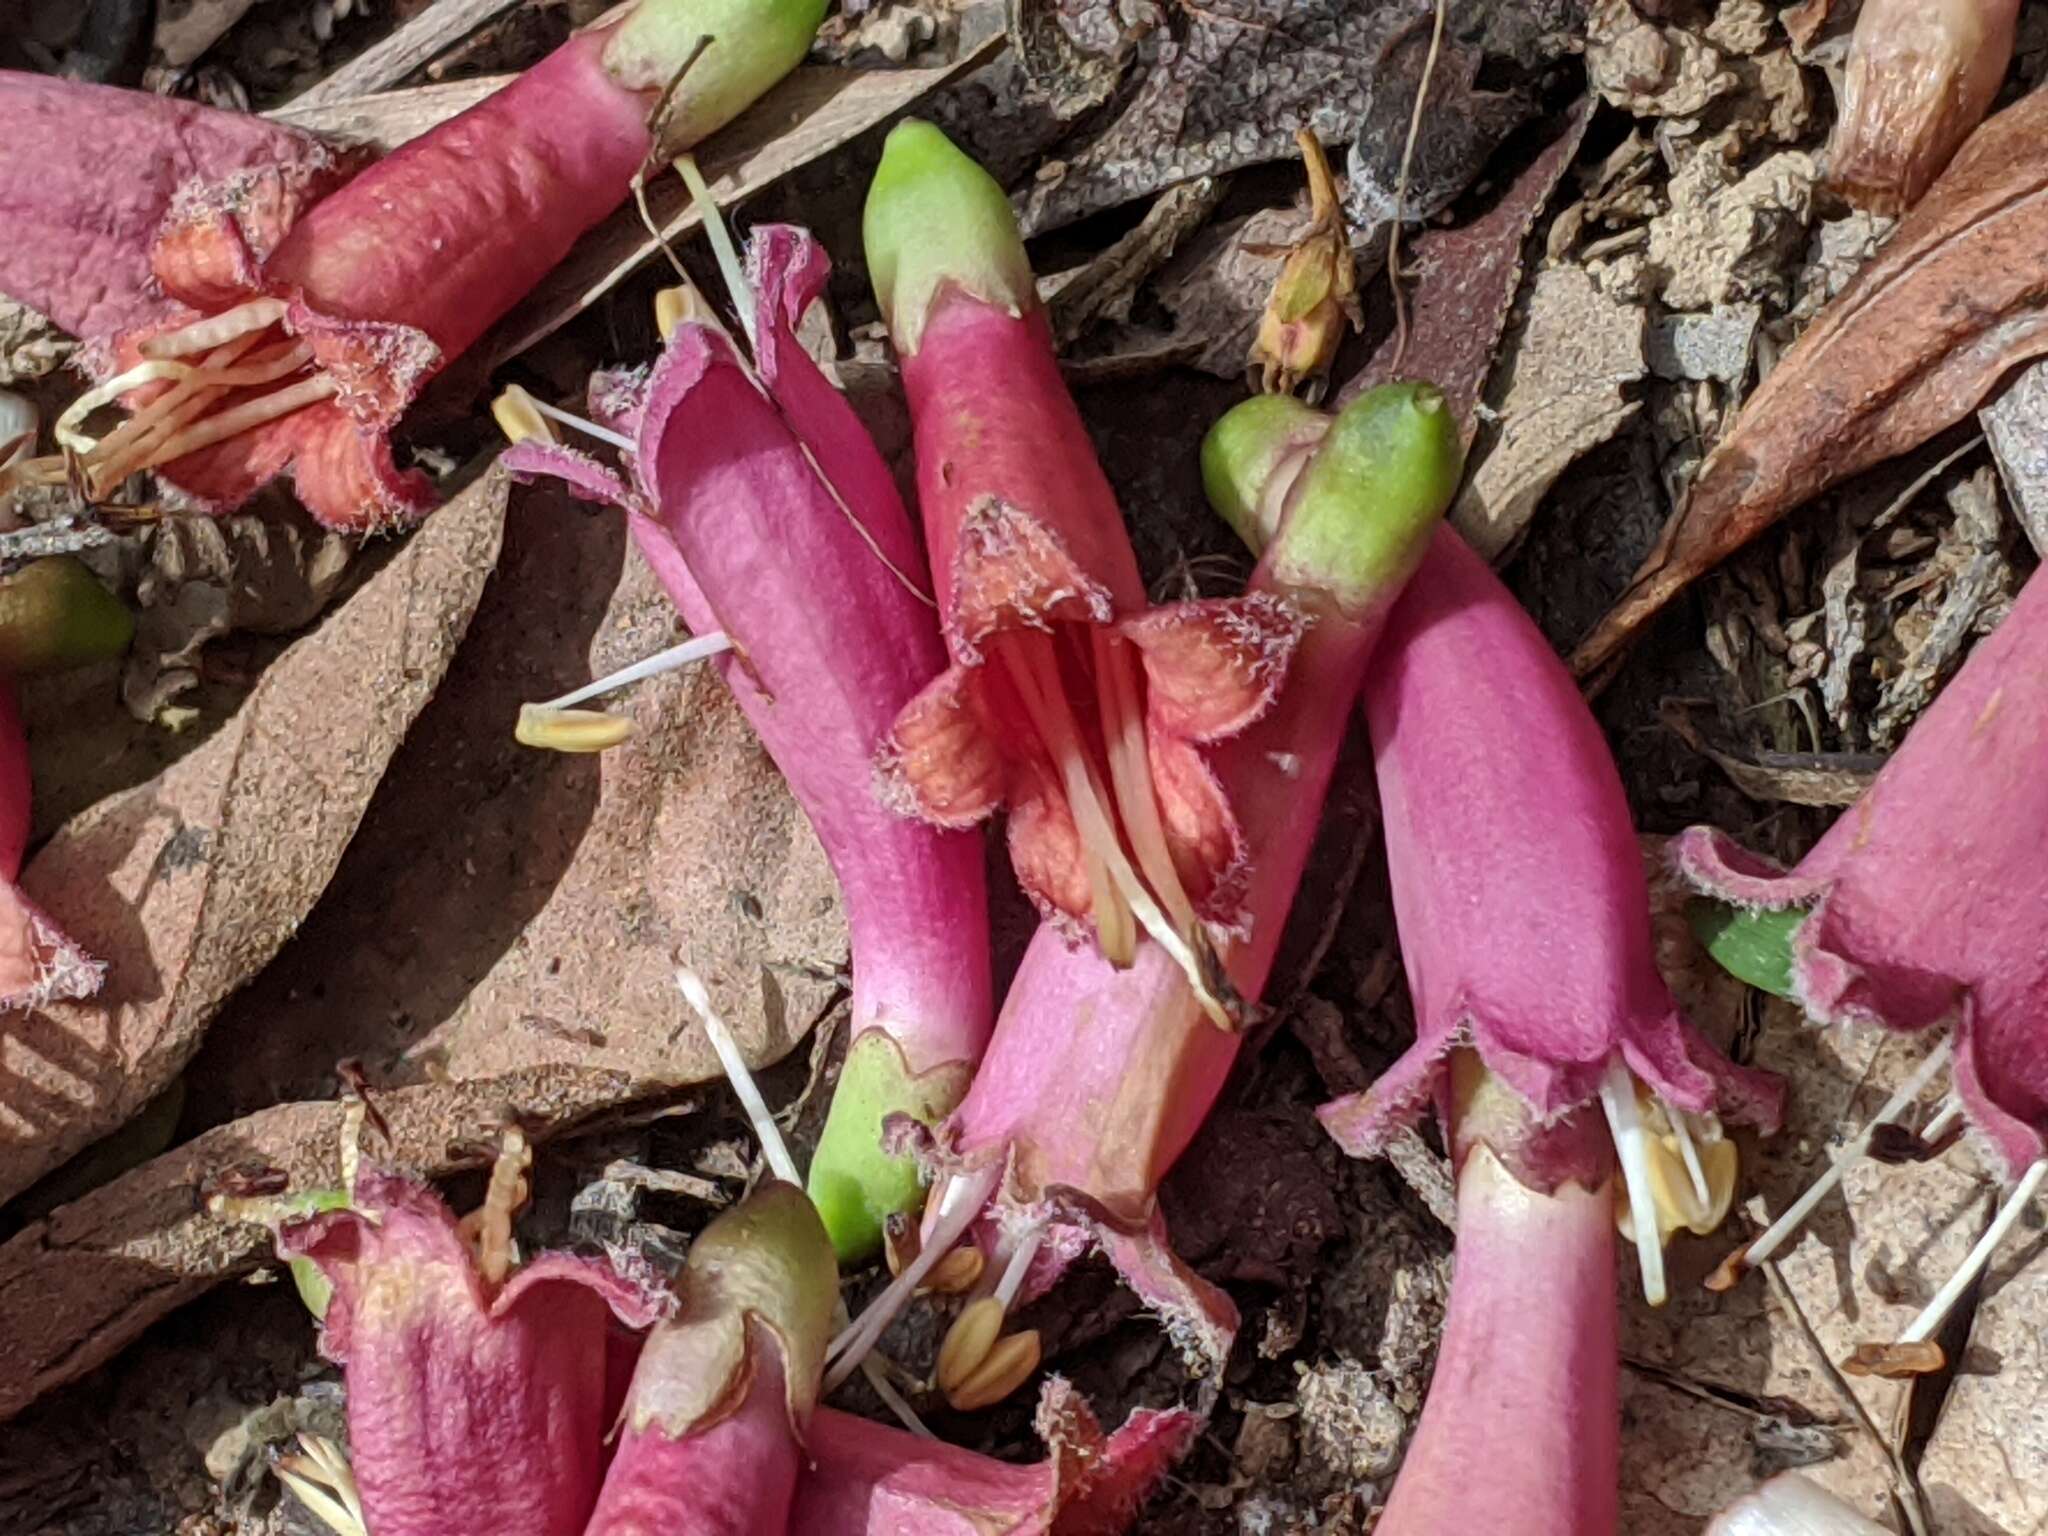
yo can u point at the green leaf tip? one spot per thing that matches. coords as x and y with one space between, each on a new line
935 217
856 1184
314 1288
55 614
1371 496
1250 444
1752 945
754 43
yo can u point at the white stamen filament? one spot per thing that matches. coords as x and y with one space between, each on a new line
1944 1301
1085 800
675 658
568 419
737 288
252 413
204 335
961 1202
766 1131
1018 1266
1682 1133
65 429
1130 772
1944 1120
1796 1213
1632 1148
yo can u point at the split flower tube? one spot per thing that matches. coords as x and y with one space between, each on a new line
1921 910
774 524
272 312
1098 1077
1068 700
1546 1038
477 1391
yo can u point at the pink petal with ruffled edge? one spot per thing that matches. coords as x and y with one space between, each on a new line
467 1412
80 225
1930 894
1525 915
870 1480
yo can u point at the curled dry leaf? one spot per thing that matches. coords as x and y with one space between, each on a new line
559 892
1915 342
188 884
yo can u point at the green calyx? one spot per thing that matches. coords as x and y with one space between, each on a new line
934 217
1360 519
857 1185
1752 945
765 1262
55 614
1252 443
753 44
312 1286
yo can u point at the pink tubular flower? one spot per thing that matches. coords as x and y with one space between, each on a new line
302 314
1097 1077
1068 699
476 1400
712 1437
869 1480
1921 908
1925 899
1525 930
770 517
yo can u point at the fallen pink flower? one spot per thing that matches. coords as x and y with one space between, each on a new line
770 518
711 1442
1068 700
476 1393
305 309
867 1479
1097 1077
1921 907
1525 931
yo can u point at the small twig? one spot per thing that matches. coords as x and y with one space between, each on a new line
1436 38
1905 1487
657 124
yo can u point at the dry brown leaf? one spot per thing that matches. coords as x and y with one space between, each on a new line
1462 282
188 884
1568 374
1986 1467
398 54
78 1285
386 119
503 909
1917 340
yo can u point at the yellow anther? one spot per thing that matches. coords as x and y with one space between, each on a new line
1677 1203
675 306
957 1271
570 730
968 1342
519 418
1002 1371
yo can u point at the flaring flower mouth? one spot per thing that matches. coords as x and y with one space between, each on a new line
1089 729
